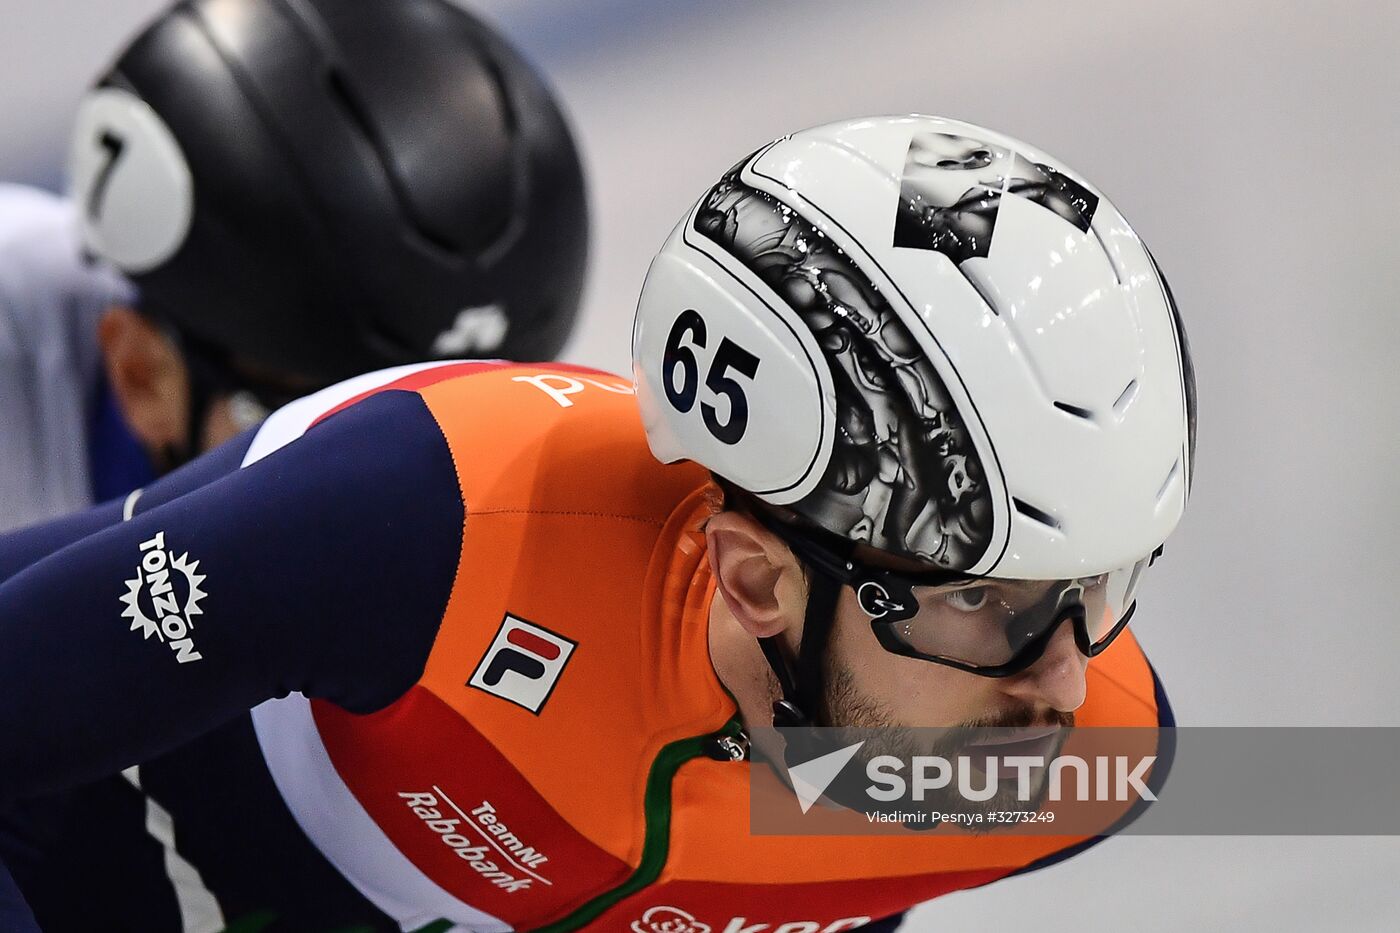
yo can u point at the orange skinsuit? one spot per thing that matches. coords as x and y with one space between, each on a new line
602 809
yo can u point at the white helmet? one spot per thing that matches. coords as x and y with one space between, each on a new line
930 338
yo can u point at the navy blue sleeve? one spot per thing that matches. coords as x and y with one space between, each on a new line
19 549
15 916
323 568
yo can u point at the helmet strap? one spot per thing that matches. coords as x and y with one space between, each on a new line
201 400
204 386
803 684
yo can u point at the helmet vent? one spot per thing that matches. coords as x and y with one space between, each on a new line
1125 398
1075 410
1035 514
1109 255
498 77
358 114
980 290
1167 483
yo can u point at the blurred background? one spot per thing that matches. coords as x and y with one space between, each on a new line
1252 144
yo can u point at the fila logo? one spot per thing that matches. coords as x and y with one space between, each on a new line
523 663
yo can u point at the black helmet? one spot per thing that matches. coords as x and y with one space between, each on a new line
325 187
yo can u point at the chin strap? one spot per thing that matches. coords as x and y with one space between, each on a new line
803 685
203 385
802 688
203 388
202 394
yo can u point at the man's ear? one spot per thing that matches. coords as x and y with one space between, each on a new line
147 377
758 577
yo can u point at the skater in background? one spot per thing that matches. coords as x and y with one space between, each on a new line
267 198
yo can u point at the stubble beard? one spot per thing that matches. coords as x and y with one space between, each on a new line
846 707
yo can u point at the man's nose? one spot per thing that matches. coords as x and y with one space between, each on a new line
1056 679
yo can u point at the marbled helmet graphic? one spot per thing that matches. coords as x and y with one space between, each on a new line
904 475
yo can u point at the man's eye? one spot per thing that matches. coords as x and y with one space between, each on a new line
968 600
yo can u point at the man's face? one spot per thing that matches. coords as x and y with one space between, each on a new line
243 395
228 413
152 382
868 686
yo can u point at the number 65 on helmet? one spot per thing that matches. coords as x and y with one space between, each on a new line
928 337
